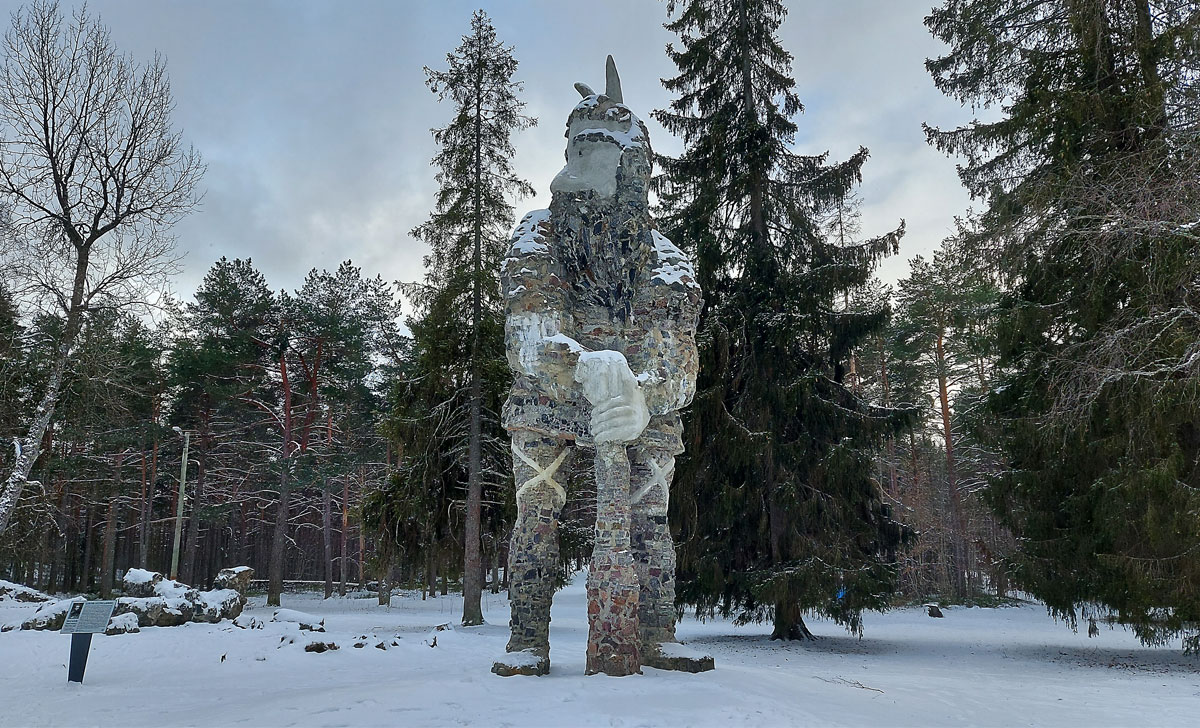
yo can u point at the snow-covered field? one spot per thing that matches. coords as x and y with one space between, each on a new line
1010 667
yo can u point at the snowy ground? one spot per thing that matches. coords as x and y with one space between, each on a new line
1010 667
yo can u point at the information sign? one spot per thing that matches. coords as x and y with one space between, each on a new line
88 617
84 619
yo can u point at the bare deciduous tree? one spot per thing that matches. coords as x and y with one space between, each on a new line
94 176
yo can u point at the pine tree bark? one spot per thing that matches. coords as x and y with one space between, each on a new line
189 572
344 562
110 545
958 548
327 537
893 485
88 574
143 514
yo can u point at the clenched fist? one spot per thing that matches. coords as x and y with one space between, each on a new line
619 412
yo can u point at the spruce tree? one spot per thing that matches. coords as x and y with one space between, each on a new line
1091 193
467 232
778 510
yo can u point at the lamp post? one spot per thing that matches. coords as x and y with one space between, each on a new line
179 510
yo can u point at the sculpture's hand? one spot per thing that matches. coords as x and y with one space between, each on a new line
619 412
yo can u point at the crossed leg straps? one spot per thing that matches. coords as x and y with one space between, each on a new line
533 557
653 549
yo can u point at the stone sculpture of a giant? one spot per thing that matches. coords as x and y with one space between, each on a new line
600 332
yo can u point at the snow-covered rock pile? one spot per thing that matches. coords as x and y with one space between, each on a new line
154 601
161 602
18 593
50 615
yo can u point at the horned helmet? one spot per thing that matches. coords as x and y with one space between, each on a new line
608 147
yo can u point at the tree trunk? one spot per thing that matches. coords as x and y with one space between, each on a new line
958 546
189 572
110 535
275 568
430 577
145 545
344 562
327 537
88 576
27 448
893 485
789 623
495 585
362 554
445 573
143 517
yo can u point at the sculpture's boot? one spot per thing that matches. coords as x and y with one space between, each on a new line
533 553
654 557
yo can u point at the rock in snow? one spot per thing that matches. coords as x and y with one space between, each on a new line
306 621
123 623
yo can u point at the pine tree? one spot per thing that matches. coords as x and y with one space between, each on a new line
341 323
776 502
215 369
941 335
467 232
1090 180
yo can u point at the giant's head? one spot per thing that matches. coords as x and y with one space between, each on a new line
608 148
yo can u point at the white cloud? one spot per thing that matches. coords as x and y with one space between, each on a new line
314 118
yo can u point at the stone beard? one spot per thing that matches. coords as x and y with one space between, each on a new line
601 314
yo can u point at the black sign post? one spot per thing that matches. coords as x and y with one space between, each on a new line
80 644
83 620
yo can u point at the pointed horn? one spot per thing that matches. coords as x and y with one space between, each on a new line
584 90
612 81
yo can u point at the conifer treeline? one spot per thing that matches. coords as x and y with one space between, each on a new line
279 395
1018 413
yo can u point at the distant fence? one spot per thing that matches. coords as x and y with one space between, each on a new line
303 585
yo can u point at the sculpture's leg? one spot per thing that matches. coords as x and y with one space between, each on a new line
614 647
654 557
533 551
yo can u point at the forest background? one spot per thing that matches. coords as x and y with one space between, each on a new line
329 442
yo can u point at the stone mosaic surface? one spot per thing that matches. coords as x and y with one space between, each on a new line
592 274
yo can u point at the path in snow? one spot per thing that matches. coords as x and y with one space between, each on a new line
975 667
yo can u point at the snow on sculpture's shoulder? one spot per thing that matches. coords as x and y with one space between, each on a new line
529 237
673 265
529 240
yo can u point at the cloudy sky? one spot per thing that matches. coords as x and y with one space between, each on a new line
314 119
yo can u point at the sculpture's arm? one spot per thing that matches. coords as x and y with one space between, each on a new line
671 385
535 310
671 344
